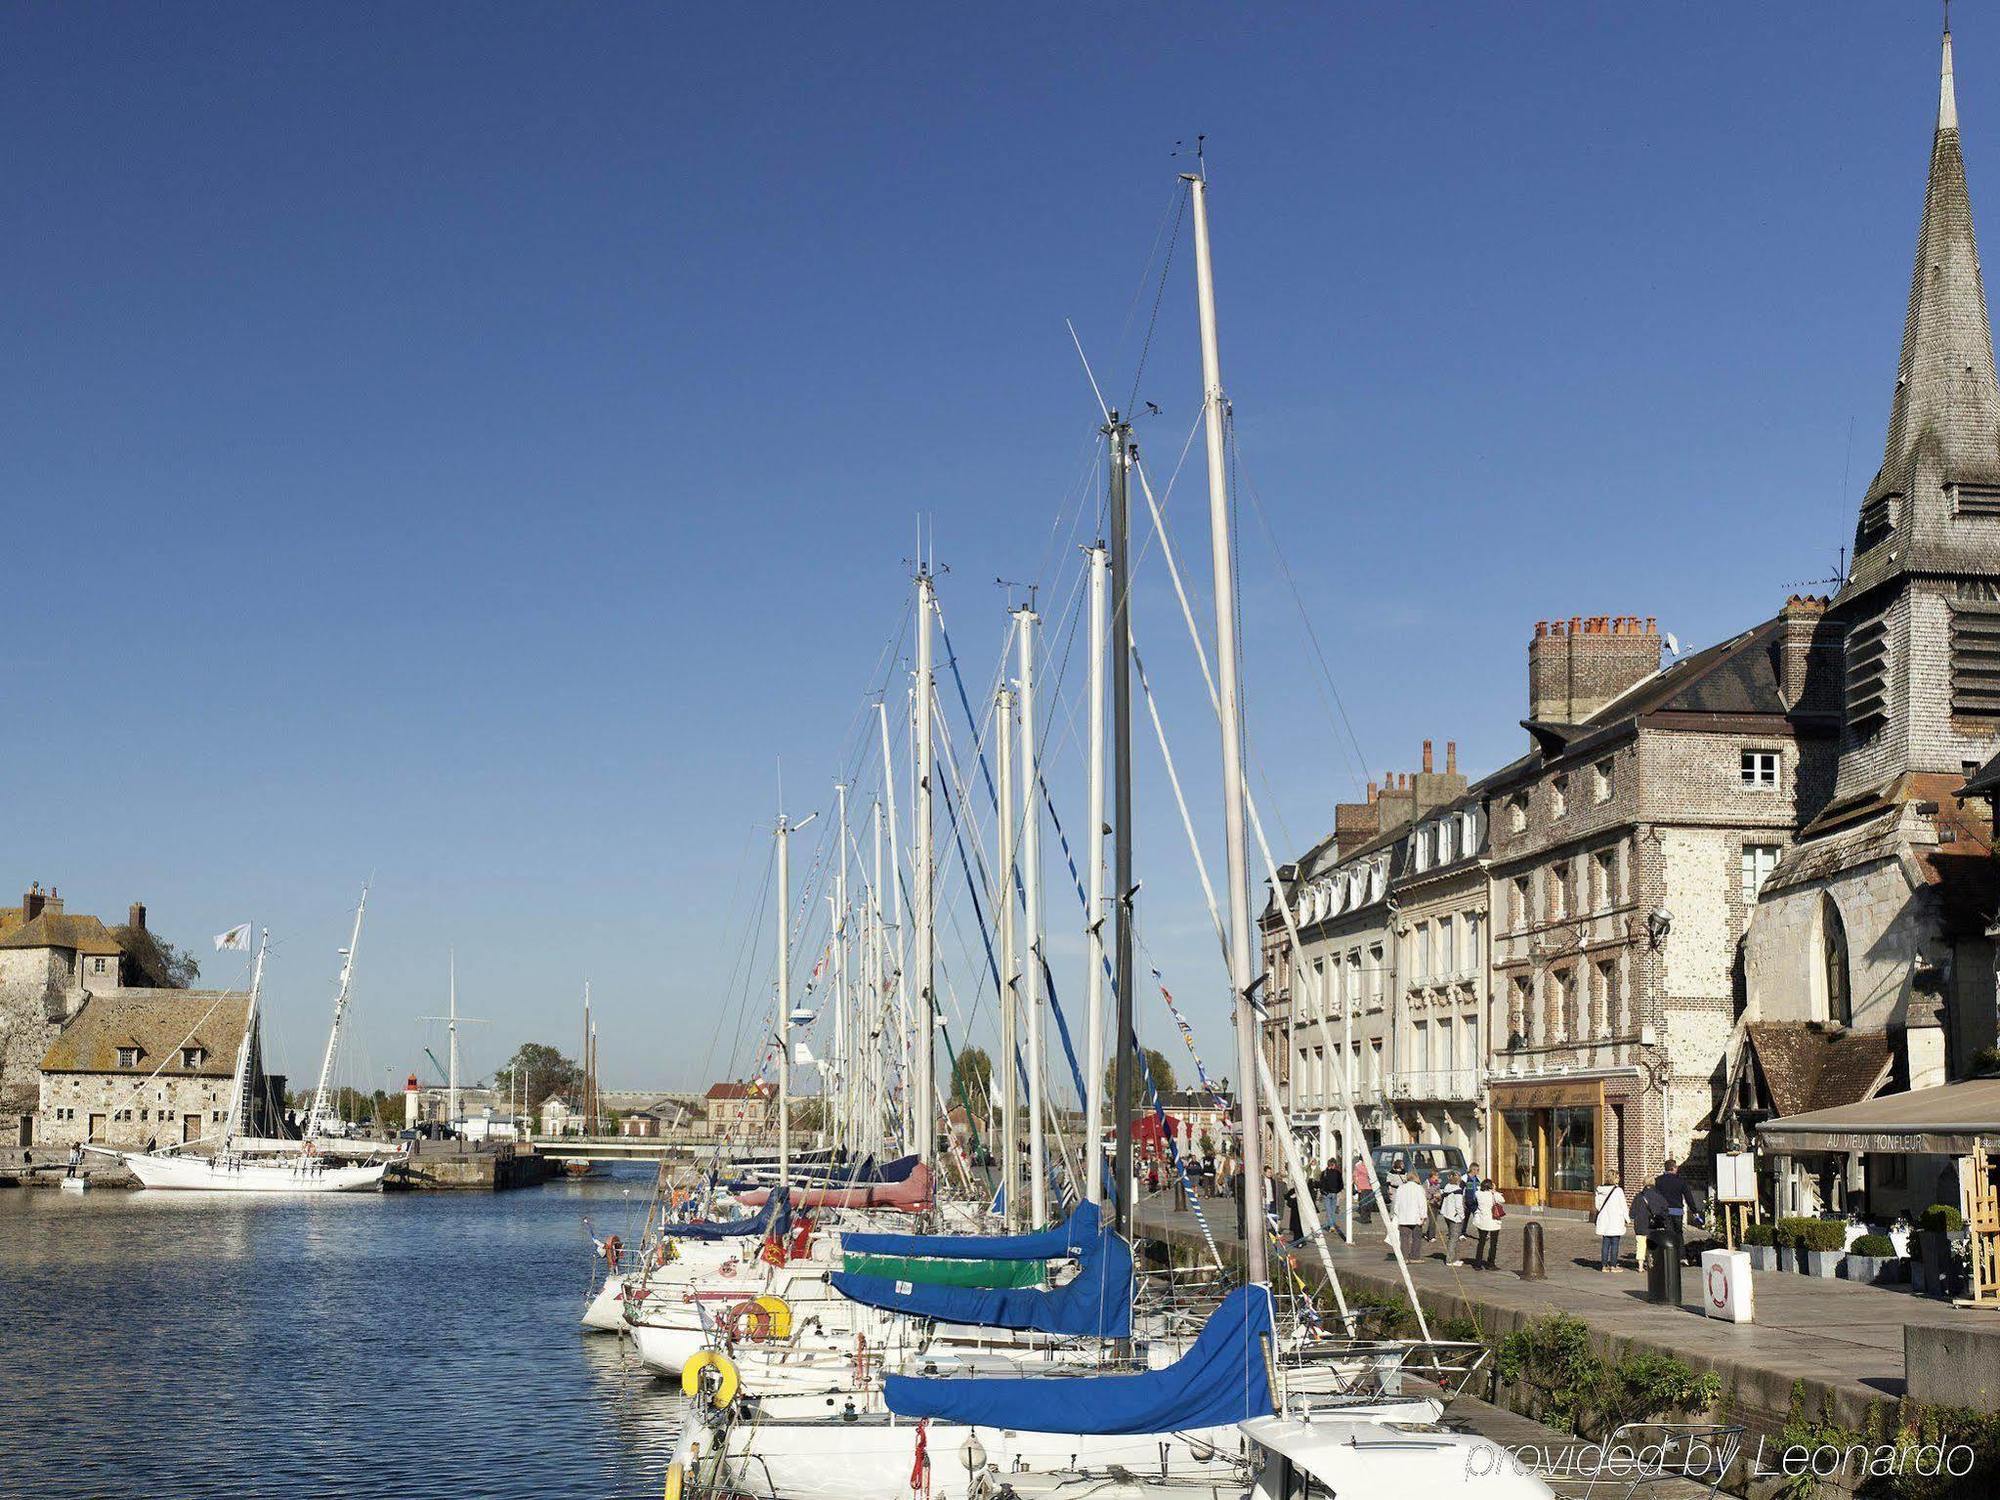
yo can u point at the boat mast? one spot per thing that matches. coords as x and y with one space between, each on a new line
896 913
1010 992
1093 1076
317 1118
451 1033
1242 976
1031 914
784 835
239 1095
1120 435
877 989
843 1022
923 1113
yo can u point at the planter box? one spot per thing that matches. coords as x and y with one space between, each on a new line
1824 1264
1934 1256
1874 1270
1763 1257
1785 1255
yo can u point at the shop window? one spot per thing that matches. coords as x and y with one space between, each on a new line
1573 1149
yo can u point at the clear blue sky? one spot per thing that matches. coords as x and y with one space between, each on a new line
473 443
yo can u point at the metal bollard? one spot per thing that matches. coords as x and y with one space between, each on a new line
1532 1267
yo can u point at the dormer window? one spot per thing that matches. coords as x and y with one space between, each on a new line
1975 663
128 1057
1969 499
193 1057
1868 675
1878 519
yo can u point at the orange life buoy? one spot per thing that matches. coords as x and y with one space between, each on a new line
748 1320
612 1246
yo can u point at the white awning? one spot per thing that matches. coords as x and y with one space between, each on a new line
1955 1119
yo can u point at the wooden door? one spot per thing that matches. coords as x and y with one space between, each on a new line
97 1123
190 1128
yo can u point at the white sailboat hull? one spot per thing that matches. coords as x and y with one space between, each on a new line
230 1175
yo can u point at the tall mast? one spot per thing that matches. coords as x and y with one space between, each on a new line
451 1033
583 1056
1241 970
1010 992
317 1119
1093 1074
877 988
843 1022
896 911
923 1114
239 1095
1031 911
1120 435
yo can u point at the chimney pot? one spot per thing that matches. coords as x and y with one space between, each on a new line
1650 630
1374 791
1541 628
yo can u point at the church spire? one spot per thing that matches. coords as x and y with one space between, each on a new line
1944 425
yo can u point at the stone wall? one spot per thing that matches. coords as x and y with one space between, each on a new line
135 1109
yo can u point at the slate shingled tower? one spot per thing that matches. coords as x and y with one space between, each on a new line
1920 611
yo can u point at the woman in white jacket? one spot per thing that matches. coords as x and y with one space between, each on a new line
1614 1217
1486 1219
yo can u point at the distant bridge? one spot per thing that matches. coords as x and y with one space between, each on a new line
669 1146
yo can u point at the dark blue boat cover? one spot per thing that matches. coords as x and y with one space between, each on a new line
775 1217
1222 1380
1056 1242
1096 1304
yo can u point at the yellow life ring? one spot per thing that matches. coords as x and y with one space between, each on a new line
727 1383
780 1324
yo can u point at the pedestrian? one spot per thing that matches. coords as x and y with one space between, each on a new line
1361 1186
1152 1176
1486 1219
1648 1210
1394 1178
75 1160
1409 1206
1433 1191
1451 1214
1681 1203
1292 1212
1330 1187
1613 1218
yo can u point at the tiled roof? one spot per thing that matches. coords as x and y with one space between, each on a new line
738 1091
159 1023
79 934
1807 1066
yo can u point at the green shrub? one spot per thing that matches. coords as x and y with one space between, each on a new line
1941 1217
1643 1387
1880 1246
1813 1234
1553 1358
1461 1329
1758 1234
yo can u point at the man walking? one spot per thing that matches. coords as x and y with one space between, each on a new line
1409 1205
1330 1188
1681 1204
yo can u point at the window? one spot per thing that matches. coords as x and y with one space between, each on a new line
1604 1006
191 1057
128 1057
1521 1010
1604 879
1760 768
1443 949
97 966
1601 784
1867 660
1559 1003
1975 499
1878 519
1375 1066
1559 797
1375 977
1517 812
1975 663
1562 890
1759 860
1469 944
1420 952
1420 1046
1470 1050
1833 956
1522 909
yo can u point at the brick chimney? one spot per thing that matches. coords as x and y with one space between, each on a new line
135 916
1401 797
1578 665
1808 656
32 902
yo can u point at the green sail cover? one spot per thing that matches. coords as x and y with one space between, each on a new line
983 1273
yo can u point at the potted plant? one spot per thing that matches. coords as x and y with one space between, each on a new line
1935 1228
1817 1244
1872 1259
1760 1241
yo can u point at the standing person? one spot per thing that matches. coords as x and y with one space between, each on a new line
1331 1184
1613 1217
1451 1213
75 1160
1486 1219
1409 1205
1647 1209
1363 1186
1681 1203
1433 1191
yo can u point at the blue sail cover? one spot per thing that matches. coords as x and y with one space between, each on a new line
1097 1304
1056 1242
775 1217
1222 1380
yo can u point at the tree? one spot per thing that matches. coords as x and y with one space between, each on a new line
543 1071
1163 1077
972 1080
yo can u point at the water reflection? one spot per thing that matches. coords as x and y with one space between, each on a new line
231 1345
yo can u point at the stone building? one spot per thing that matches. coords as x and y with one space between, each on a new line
1869 966
1625 853
740 1107
135 1066
1331 1009
1438 1050
51 961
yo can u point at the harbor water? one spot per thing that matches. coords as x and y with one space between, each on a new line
404 1344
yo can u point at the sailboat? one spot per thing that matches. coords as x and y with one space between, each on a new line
297 1166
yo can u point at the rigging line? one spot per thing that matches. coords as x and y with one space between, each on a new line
1177 199
1097 394
1337 707
735 890
1166 264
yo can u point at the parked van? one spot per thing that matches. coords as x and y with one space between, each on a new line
1420 1157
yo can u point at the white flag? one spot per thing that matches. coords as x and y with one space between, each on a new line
236 937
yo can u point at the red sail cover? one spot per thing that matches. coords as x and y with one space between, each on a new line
912 1194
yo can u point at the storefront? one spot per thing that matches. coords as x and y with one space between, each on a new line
1549 1142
